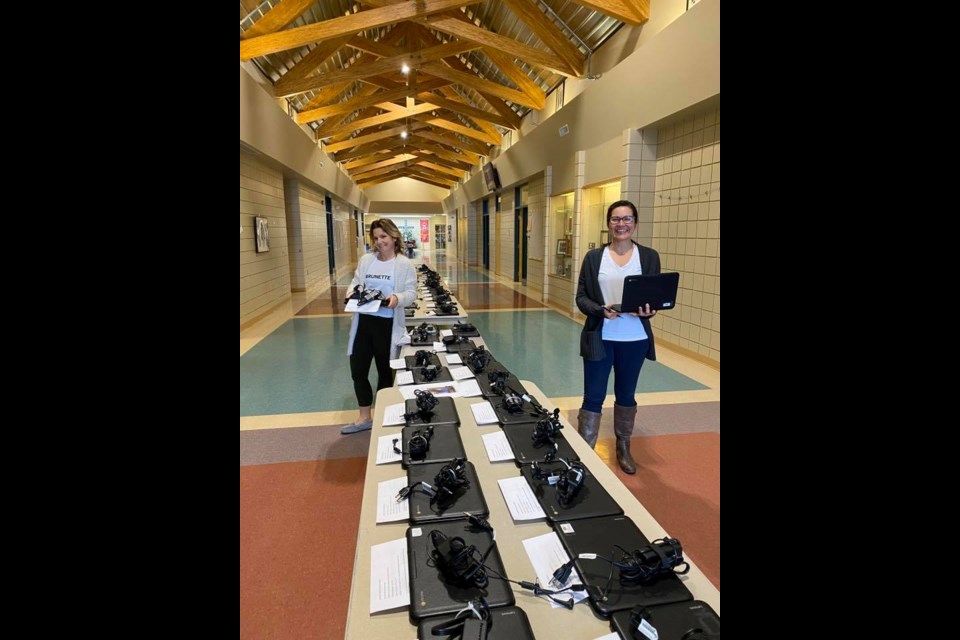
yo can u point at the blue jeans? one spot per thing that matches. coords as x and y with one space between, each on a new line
626 359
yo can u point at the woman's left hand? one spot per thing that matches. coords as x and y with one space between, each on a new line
645 314
393 301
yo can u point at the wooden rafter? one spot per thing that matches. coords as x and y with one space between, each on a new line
486 86
551 35
634 12
453 25
278 17
344 25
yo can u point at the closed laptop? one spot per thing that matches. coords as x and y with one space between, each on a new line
659 291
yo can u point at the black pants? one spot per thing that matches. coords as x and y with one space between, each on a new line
371 343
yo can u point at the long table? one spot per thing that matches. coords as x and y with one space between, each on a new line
420 315
547 622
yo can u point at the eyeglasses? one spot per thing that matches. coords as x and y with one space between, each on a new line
616 220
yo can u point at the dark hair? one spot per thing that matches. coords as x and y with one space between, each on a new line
623 203
389 228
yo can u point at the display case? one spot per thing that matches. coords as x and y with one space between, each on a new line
561 234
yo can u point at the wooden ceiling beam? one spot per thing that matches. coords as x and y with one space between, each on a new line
462 28
386 166
355 142
278 17
528 11
427 175
457 104
473 81
476 134
455 63
343 25
354 104
439 168
466 157
381 66
457 143
634 12
307 65
327 96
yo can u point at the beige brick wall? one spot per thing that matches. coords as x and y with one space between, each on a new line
687 230
264 277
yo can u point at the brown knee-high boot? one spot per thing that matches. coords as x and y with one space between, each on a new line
588 426
623 419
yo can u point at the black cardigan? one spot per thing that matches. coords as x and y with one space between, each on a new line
590 301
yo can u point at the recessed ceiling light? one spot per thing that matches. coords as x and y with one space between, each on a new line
404 68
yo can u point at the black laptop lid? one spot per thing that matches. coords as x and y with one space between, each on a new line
599 536
444 413
503 623
590 501
444 445
468 500
659 291
430 594
520 437
680 621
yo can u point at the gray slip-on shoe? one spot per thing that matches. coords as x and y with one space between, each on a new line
355 427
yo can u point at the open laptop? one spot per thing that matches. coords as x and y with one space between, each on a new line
659 291
599 535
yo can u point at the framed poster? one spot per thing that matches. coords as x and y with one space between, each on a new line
263 234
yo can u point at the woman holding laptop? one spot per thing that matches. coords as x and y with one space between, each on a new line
613 340
375 337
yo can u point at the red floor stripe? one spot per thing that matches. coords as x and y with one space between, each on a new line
298 538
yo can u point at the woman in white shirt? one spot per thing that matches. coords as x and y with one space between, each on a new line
376 336
611 340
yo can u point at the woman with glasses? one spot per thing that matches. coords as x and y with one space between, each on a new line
376 336
612 340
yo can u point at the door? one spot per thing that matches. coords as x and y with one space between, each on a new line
329 206
486 234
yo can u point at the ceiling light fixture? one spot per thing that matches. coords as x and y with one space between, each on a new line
405 69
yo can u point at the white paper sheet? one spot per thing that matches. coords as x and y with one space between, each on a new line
468 388
388 509
453 358
389 582
446 332
370 307
399 363
520 500
609 636
497 446
439 389
404 377
439 346
483 413
460 373
547 554
385 452
393 413
405 339
429 305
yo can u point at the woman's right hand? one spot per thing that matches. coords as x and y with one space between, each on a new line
609 313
